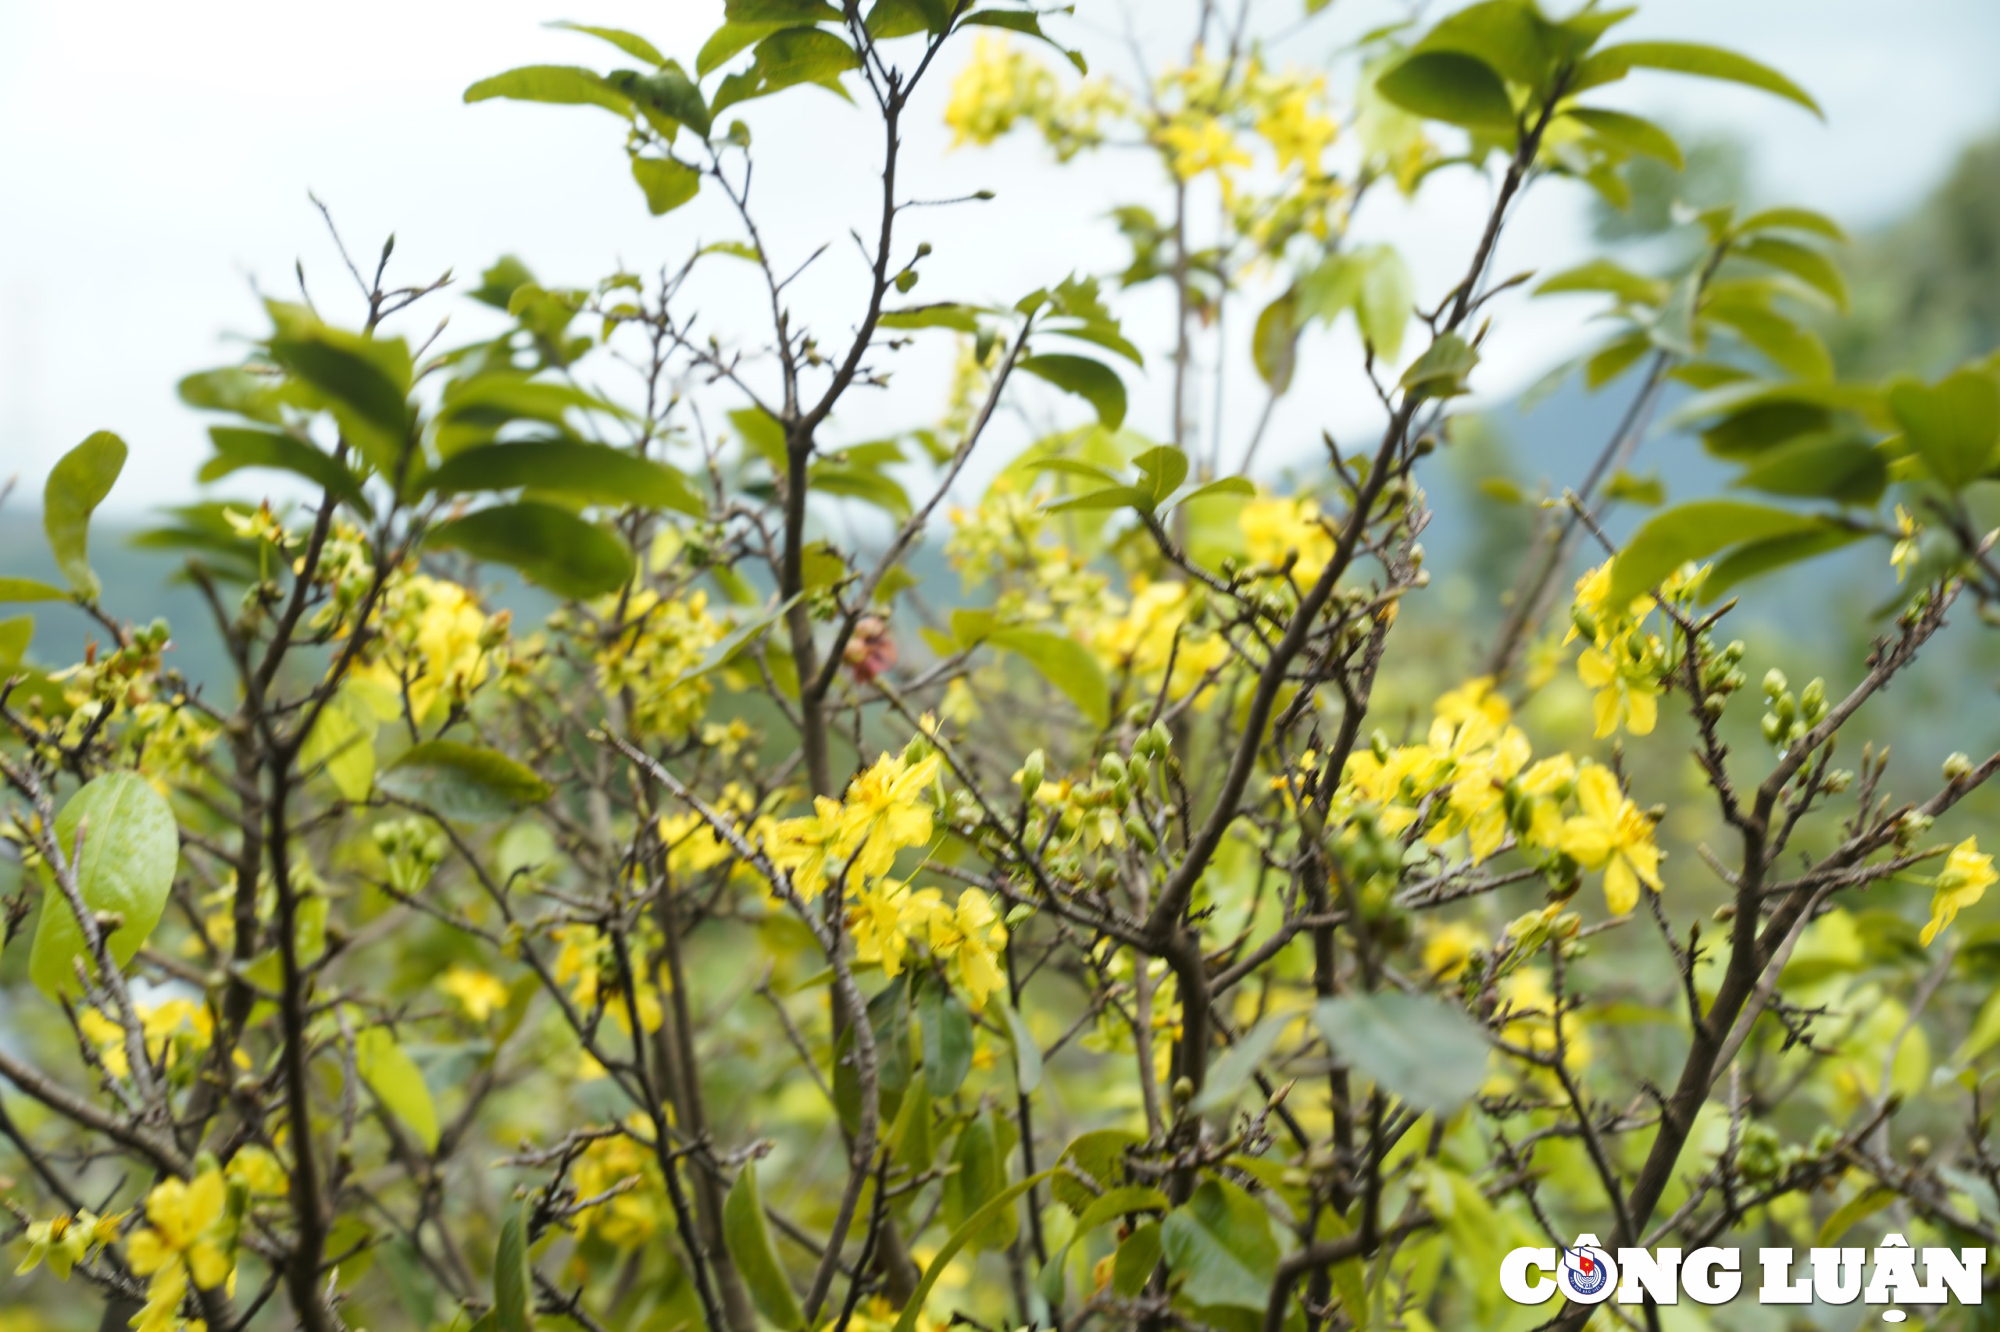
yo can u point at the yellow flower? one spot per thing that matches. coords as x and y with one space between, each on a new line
64 1241
887 808
633 1217
1545 786
876 921
1296 131
803 846
174 1029
1904 556
435 637
1274 528
478 992
1153 632
185 1228
659 643
1626 691
969 934
1611 834
1203 144
1964 880
1450 947
1474 698
997 87
578 966
260 1171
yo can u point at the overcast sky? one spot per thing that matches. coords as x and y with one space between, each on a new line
157 158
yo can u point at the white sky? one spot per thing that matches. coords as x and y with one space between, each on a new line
156 159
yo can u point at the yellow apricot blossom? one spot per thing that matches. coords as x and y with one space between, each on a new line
64 1241
1964 880
1297 130
1610 833
969 934
435 642
997 87
1450 947
478 992
877 919
1275 528
186 1236
1200 144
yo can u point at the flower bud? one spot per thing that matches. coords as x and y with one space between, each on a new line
1957 768
1774 683
1111 768
1033 770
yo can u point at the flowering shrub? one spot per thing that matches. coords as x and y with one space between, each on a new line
753 925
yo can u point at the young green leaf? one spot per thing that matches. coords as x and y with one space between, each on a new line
1835 467
1440 372
631 43
947 1039
1064 663
1802 262
1027 1052
550 546
1450 86
594 473
981 1175
1708 62
1023 22
1422 1049
1237 1067
397 1083
959 1238
513 1295
77 484
237 448
1220 1244
364 381
1635 134
1093 381
130 847
668 184
461 781
562 85
1954 425
29 589
1755 558
1692 532
749 1243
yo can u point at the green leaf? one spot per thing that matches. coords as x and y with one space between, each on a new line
1384 299
1756 558
726 647
1274 343
943 314
1113 1206
1692 532
667 96
1635 134
1953 424
866 483
550 546
1097 1157
594 473
562 85
1236 1070
1985 1032
1440 372
1228 485
749 1241
512 1289
1113 497
29 589
1422 1049
16 633
786 58
1852 1212
1064 663
461 781
668 184
1164 467
1027 1052
343 739
959 1238
130 849
1792 219
1093 381
631 43
1133 1266
77 484
1708 62
1220 1244
1017 21
1605 276
1801 261
1787 345
365 381
399 1085
981 1175
1836 467
910 1135
1450 86
237 448
947 1040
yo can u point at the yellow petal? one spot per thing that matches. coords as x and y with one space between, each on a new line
1642 711
1604 708
1621 887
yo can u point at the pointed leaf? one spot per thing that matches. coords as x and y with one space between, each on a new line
77 484
398 1084
1450 86
1220 1244
461 781
631 43
1422 1049
959 1238
1237 1068
1692 532
1064 663
29 589
947 1040
1954 425
563 85
1708 62
512 1290
1093 381
595 473
749 1242
237 448
131 846
550 546
668 184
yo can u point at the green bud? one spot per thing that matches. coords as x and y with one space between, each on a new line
1957 768
1033 770
1136 829
1111 768
1774 683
